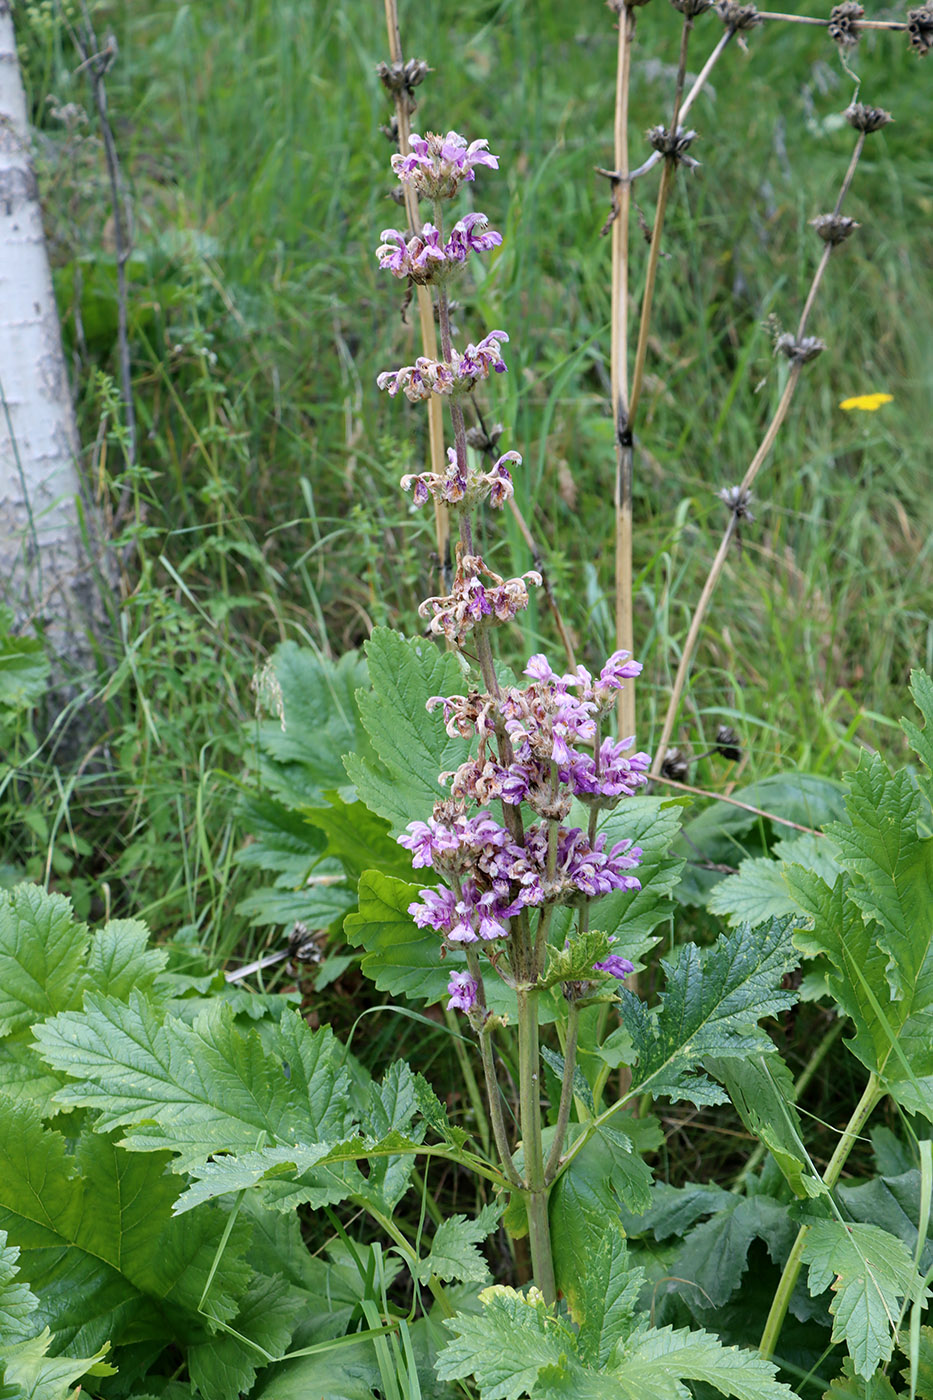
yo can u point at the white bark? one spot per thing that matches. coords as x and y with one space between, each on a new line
45 574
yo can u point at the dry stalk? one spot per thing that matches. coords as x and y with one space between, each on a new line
622 190
624 404
734 802
654 251
742 491
892 24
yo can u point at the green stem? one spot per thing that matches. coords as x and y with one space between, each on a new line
529 1075
469 1079
872 1095
495 1110
394 1233
566 1093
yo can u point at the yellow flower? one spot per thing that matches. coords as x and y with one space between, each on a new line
868 403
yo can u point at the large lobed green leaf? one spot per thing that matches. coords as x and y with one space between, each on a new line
17 1304
107 1260
891 866
197 1089
27 1372
726 834
712 1003
893 1037
48 961
398 956
413 746
517 1347
631 916
870 1272
759 892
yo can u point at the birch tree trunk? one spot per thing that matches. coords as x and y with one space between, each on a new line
46 575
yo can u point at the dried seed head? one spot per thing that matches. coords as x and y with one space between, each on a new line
675 766
867 118
920 29
738 501
727 743
390 130
834 228
737 17
402 77
691 8
673 147
800 352
481 440
843 23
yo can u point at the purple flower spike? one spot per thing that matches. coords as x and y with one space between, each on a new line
462 989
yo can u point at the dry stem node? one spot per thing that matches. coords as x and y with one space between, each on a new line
675 766
920 29
834 228
728 744
674 148
867 118
403 77
737 17
481 440
800 352
738 501
843 23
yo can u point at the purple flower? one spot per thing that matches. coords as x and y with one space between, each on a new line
462 989
471 234
616 966
437 165
426 377
499 479
436 912
425 259
539 668
421 843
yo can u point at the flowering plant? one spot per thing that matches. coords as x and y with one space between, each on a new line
535 750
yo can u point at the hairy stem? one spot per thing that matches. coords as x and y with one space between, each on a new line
566 1093
495 1110
469 1079
870 1098
529 1071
